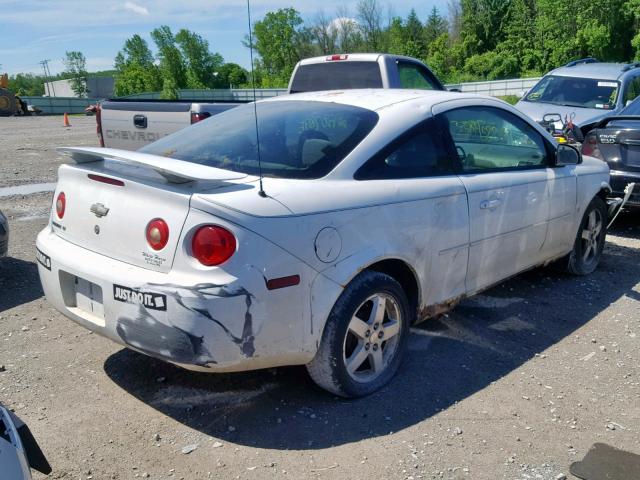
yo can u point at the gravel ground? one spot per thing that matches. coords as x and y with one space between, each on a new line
514 384
27 146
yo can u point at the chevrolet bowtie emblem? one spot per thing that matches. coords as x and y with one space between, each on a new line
99 210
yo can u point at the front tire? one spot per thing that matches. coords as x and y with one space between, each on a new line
365 337
589 243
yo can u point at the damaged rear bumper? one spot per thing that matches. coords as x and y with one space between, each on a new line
210 321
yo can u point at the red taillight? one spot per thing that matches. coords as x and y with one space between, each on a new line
590 146
333 58
61 204
198 116
157 234
213 245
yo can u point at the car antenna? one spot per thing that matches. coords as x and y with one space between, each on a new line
261 192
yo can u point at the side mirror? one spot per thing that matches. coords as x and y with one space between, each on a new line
455 89
567 155
521 94
629 102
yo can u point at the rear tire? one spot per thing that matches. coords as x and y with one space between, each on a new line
589 243
365 337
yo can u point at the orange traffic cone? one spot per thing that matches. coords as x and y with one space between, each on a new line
66 120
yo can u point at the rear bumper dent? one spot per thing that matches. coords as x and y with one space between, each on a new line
174 316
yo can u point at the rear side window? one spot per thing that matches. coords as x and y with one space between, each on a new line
413 76
298 139
337 75
419 153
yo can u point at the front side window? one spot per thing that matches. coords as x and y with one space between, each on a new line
419 153
633 108
575 92
632 91
298 139
487 138
413 76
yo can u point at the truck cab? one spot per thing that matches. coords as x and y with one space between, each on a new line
361 70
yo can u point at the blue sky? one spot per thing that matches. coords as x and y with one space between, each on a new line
34 30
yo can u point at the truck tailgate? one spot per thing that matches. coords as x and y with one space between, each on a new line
132 125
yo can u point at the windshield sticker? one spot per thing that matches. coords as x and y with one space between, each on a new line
608 84
154 301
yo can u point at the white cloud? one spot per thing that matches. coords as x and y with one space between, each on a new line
135 8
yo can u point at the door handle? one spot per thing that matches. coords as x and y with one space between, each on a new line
140 121
490 204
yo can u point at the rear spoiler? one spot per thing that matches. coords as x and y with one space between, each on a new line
605 121
175 171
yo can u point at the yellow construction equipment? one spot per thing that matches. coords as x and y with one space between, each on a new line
10 104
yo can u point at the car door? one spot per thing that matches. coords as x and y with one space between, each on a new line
428 223
503 165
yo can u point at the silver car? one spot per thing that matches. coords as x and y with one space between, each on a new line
4 235
583 91
19 451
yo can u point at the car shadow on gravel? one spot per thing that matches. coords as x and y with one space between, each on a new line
19 283
450 358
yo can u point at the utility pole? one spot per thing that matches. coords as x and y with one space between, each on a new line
47 77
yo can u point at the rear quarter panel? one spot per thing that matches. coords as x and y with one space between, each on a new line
593 176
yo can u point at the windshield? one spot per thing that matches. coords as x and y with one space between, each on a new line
575 92
298 139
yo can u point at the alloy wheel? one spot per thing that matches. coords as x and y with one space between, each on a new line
372 337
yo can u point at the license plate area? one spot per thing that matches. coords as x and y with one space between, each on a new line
83 298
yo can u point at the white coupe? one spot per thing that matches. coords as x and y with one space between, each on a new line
378 208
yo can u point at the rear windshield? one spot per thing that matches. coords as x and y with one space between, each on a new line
575 92
298 139
338 75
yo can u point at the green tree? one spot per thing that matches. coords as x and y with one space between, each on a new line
435 26
76 68
27 84
135 50
135 70
169 89
370 20
280 40
172 64
231 75
483 24
201 64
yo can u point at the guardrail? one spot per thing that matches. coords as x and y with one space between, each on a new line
60 105
211 95
497 88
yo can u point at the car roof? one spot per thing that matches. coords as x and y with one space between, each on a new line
353 57
374 98
597 70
